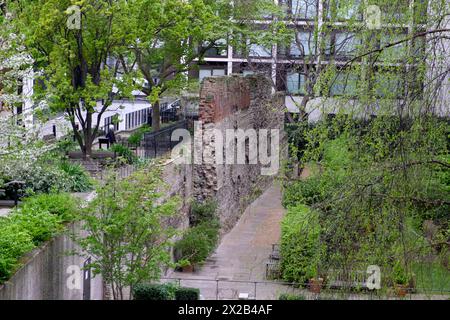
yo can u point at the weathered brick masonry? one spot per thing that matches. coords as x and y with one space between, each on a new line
235 102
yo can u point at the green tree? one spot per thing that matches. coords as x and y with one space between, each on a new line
391 169
70 49
172 36
128 231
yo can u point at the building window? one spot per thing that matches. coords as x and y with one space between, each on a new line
388 85
395 52
218 50
343 10
136 119
257 50
112 120
304 45
346 44
396 11
344 84
210 72
296 83
303 9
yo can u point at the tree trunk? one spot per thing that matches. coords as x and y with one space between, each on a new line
88 138
156 121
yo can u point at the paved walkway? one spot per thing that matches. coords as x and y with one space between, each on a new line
4 212
243 252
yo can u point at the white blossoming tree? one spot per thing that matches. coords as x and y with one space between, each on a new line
20 147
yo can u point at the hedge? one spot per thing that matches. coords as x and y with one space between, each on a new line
152 292
300 248
187 294
167 291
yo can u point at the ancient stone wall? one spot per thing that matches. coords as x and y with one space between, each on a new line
236 103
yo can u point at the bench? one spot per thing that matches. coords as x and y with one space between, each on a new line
15 186
102 141
275 255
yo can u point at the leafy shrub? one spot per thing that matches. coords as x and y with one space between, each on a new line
59 204
46 177
198 243
187 294
136 137
288 296
14 242
336 153
300 247
78 177
42 178
40 218
40 225
66 144
309 191
153 292
124 153
399 274
297 136
202 212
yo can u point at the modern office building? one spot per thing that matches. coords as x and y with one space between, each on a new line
339 41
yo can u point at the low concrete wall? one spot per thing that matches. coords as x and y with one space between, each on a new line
45 275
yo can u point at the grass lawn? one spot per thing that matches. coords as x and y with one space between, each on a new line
432 277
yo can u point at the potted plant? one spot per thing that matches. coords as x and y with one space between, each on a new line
316 284
186 266
195 246
401 280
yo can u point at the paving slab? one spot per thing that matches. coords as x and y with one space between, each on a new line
244 251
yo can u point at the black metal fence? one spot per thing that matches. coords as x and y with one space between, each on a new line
156 144
224 289
160 142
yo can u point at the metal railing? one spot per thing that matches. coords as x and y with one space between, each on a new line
156 144
225 289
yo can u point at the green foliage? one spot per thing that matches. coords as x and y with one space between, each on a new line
127 230
166 291
136 137
62 205
300 248
202 212
399 274
297 135
309 191
187 294
40 225
124 153
65 145
39 219
289 296
336 154
198 243
152 292
46 174
79 178
432 276
14 242
38 177
377 184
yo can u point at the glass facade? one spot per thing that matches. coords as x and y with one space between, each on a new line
296 83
